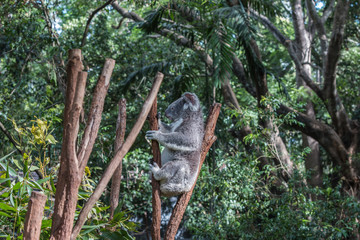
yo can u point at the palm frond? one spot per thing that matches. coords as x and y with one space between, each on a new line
152 21
220 44
146 71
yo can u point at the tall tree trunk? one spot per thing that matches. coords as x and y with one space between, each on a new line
258 76
303 38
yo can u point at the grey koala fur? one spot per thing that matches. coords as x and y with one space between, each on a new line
182 139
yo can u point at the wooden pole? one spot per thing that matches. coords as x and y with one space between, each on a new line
34 215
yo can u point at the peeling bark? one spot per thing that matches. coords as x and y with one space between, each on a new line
68 177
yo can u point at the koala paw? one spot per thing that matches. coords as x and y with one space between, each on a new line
152 135
154 167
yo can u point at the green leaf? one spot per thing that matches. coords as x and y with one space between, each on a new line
7 207
33 168
4 179
18 165
50 138
52 184
46 223
5 157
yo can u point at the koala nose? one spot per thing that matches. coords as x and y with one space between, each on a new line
168 115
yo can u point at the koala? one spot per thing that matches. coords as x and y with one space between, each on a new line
182 139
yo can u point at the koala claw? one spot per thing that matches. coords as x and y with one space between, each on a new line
154 167
151 135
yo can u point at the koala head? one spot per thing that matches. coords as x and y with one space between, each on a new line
187 102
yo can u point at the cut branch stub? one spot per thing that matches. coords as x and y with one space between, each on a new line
34 215
94 118
209 139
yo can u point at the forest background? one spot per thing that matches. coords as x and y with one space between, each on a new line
286 163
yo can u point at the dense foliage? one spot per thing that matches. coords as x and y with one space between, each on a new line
245 189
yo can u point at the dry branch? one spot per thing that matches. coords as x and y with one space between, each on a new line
209 139
156 201
119 141
34 215
8 135
92 15
114 163
94 118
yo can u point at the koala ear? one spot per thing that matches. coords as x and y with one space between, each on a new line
192 101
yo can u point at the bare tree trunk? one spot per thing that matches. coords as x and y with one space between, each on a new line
184 199
156 200
258 76
34 215
119 141
303 39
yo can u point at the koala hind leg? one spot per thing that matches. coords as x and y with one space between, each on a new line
178 182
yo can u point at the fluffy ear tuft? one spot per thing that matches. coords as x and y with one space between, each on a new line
192 101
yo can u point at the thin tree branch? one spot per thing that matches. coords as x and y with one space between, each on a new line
320 27
131 15
285 41
333 102
92 15
328 11
117 158
94 118
120 23
8 135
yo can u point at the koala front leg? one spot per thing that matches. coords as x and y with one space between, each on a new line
153 135
165 128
